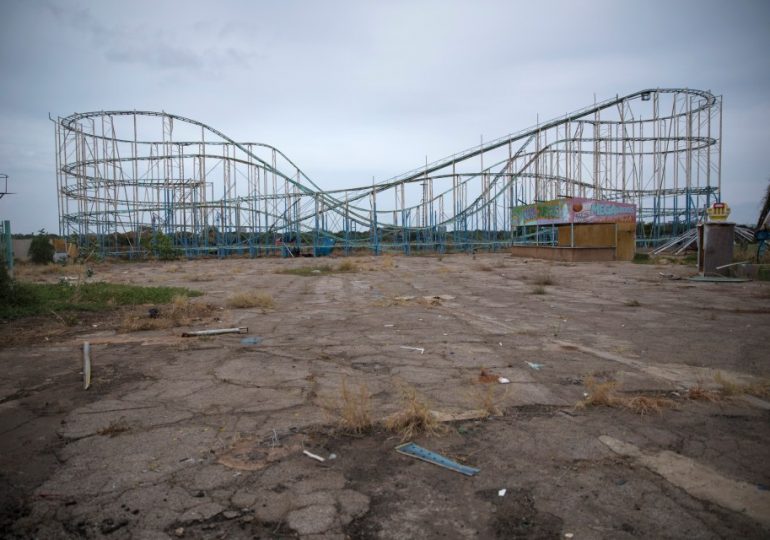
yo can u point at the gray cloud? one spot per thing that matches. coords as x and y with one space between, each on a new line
351 90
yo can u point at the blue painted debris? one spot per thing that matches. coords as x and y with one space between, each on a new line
413 450
535 366
324 247
254 340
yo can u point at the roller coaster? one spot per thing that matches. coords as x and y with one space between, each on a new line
131 181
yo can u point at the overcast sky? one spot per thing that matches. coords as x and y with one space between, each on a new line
355 90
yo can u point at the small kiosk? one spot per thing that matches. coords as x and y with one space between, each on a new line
575 229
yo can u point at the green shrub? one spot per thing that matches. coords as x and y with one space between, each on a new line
40 250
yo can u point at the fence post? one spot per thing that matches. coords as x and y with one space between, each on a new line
8 241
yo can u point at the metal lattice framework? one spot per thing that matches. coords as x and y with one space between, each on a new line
126 177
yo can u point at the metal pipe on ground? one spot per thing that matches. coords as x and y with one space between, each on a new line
216 331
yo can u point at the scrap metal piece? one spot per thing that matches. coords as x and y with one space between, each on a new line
86 365
314 456
216 331
413 450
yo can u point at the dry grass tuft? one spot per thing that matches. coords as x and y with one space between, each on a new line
34 272
484 268
180 312
201 277
347 266
605 394
601 394
115 428
760 389
539 290
251 299
728 386
700 393
387 261
353 409
647 404
632 303
488 377
414 418
544 279
486 397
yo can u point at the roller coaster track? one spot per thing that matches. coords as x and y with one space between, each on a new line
657 148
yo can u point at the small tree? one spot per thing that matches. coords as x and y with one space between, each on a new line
40 250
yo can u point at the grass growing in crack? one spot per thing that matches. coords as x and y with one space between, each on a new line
201 277
730 387
600 394
487 377
352 411
486 397
307 271
701 393
484 268
605 394
115 428
545 279
346 266
539 290
250 300
632 303
414 418
647 404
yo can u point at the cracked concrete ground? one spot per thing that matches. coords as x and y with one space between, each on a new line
203 437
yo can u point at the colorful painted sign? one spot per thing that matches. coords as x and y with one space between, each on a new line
542 213
575 210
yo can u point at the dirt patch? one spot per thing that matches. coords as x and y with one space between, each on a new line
206 435
517 517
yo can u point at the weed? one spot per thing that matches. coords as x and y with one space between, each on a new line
605 394
539 290
354 409
251 299
487 377
115 428
729 387
179 312
42 298
201 277
414 418
387 261
700 393
486 398
642 258
544 279
632 303
690 259
307 271
600 393
647 404
484 268
347 266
